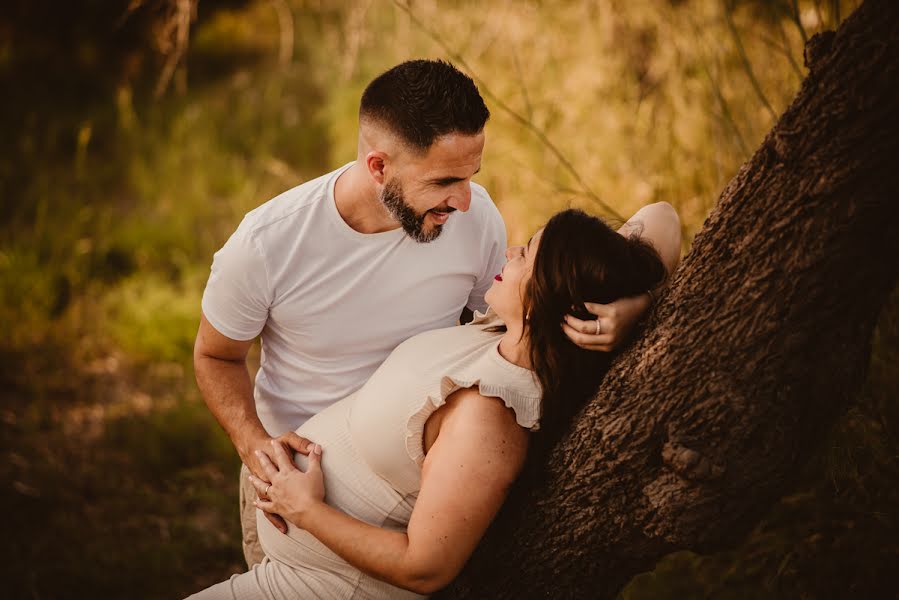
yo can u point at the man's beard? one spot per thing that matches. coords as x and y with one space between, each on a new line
412 223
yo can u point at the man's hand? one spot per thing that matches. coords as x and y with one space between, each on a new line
288 441
615 323
291 491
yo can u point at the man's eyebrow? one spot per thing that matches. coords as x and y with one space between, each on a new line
449 180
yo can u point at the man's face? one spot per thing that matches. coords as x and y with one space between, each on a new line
426 189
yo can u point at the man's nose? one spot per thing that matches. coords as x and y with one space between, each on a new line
461 200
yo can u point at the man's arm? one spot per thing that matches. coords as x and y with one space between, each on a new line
224 381
220 365
659 225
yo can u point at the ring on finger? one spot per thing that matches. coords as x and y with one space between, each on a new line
598 327
265 493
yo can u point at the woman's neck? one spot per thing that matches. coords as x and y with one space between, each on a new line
514 346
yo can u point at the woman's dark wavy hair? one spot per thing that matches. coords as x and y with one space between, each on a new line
579 259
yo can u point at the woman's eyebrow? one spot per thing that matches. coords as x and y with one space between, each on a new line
529 243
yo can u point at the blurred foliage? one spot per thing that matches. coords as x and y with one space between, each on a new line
117 190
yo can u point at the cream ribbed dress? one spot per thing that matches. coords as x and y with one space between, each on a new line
373 455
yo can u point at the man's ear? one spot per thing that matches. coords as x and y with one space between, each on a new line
376 162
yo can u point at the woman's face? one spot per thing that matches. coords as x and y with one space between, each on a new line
506 295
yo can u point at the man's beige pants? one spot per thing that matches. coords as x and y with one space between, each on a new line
252 550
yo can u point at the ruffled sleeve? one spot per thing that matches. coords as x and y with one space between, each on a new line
518 391
487 318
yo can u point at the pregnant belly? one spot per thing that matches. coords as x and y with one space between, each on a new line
350 486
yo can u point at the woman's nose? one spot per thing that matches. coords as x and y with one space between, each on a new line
512 252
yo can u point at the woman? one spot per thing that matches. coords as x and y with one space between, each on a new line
420 459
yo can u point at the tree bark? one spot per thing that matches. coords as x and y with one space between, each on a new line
760 343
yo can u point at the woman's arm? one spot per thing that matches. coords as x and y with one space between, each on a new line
479 451
659 225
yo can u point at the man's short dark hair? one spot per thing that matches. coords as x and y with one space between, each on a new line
421 100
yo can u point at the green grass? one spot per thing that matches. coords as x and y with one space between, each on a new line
153 320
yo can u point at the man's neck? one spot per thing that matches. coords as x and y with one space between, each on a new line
358 203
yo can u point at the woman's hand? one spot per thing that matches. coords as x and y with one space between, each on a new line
290 441
291 492
615 323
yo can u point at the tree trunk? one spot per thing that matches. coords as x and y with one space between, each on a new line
758 346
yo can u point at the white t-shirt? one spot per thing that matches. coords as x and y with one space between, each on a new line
331 303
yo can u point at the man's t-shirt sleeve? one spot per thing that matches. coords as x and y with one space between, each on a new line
238 294
494 256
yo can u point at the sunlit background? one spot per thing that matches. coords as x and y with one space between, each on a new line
135 135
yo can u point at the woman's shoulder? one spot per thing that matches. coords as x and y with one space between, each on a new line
472 417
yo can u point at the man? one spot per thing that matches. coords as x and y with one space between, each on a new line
336 272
